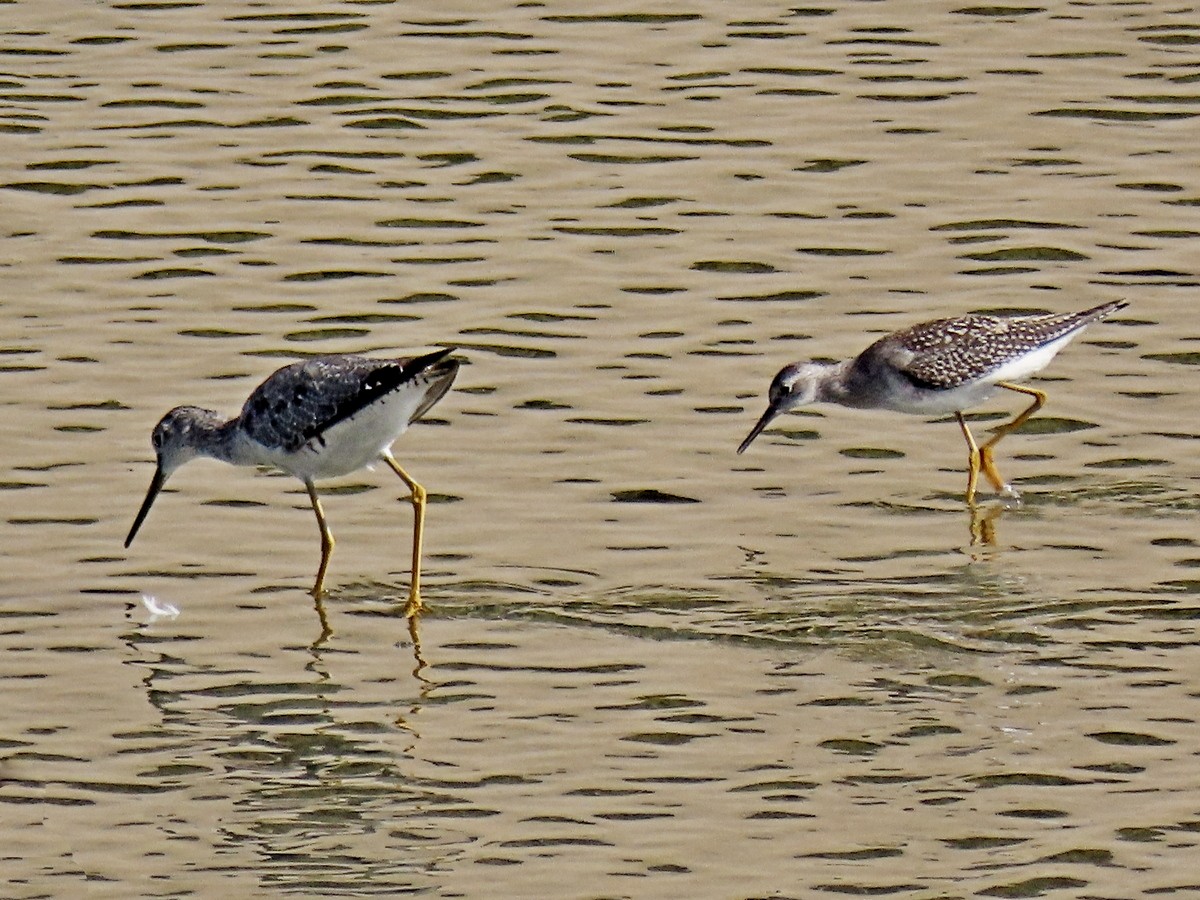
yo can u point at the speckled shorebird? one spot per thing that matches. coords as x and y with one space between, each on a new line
944 366
319 418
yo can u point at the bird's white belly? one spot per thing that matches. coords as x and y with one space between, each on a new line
354 442
936 403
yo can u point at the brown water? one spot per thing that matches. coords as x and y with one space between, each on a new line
651 668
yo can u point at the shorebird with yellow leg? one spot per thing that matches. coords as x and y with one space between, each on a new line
320 418
935 368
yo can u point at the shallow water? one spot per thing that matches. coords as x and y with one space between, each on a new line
651 668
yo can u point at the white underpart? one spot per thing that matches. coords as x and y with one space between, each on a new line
354 442
1031 363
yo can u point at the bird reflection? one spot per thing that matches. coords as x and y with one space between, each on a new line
413 622
983 523
326 631
414 634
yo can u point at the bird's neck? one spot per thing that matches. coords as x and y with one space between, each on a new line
235 447
222 439
836 384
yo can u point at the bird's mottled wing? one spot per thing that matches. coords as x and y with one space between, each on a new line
949 352
300 401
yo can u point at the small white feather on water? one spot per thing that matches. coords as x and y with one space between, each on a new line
159 609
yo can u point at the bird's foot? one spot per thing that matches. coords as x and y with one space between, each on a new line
1010 495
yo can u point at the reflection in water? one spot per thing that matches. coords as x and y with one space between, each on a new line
983 522
414 634
323 618
640 649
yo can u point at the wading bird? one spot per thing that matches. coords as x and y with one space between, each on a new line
939 367
319 418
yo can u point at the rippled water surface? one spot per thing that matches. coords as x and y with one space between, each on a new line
650 667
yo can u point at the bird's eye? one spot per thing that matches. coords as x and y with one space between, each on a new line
156 439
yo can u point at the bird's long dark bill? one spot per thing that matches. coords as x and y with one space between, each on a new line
156 485
762 423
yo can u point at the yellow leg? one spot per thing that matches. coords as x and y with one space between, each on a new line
986 458
418 502
972 459
326 544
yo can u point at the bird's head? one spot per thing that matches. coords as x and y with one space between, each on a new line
794 385
175 442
